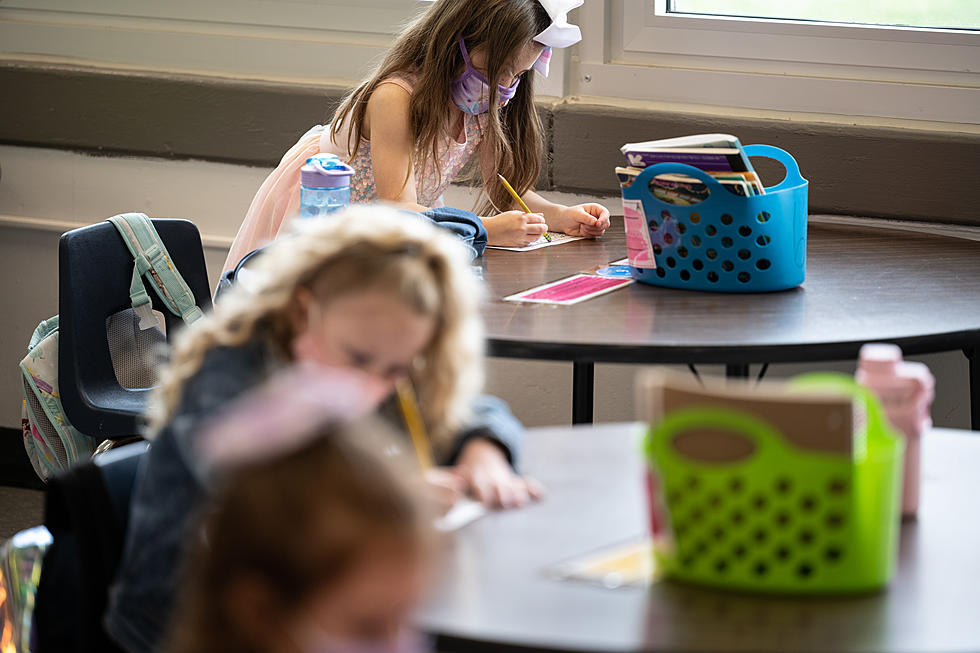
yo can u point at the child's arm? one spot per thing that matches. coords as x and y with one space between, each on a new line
486 456
388 128
514 228
588 219
491 479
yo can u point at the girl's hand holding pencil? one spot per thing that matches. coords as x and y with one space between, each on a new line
589 220
482 470
446 486
527 229
515 228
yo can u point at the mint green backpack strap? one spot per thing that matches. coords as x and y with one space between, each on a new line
153 261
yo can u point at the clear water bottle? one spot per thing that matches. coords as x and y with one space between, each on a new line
324 185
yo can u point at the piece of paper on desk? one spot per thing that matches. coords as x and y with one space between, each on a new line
556 239
569 290
622 565
463 512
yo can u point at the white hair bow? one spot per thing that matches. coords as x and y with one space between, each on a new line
560 34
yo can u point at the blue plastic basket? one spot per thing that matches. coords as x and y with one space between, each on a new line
727 243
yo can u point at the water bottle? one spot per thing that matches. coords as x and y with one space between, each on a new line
906 391
324 185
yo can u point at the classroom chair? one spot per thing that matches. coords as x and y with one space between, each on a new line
86 511
95 271
229 278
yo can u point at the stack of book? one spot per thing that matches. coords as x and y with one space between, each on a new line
718 155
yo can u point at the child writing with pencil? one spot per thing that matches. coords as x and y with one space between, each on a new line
312 538
456 83
384 294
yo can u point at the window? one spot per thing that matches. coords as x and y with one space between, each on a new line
937 14
652 51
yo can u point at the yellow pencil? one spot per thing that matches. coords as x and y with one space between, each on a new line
517 197
413 420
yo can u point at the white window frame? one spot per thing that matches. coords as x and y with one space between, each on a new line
317 42
633 49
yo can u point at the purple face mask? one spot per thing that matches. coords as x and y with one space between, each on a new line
471 90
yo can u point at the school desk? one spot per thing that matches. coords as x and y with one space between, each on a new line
494 593
917 290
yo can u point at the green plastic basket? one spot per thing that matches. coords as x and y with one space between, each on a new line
783 519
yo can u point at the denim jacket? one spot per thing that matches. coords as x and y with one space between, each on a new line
170 489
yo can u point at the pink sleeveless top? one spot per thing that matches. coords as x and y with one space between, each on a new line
277 199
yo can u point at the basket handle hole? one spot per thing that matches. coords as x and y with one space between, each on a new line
713 445
771 172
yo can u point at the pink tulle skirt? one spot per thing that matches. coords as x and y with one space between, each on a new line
276 202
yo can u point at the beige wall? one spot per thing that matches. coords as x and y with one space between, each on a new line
911 169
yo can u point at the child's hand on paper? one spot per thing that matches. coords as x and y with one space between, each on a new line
445 486
589 219
492 480
514 228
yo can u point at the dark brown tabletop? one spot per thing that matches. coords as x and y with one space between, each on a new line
919 291
495 595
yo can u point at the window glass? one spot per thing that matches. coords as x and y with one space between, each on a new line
953 14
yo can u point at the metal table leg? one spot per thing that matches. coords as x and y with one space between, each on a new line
583 383
737 371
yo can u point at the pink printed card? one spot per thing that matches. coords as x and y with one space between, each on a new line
570 290
638 246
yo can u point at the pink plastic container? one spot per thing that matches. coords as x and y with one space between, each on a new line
906 391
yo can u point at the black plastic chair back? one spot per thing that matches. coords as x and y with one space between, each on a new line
95 271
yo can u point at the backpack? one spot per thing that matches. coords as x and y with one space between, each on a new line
52 443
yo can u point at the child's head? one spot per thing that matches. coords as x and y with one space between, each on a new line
498 34
317 545
380 291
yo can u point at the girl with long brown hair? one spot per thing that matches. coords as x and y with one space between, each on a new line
409 129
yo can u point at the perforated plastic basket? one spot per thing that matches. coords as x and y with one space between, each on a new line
726 243
783 519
